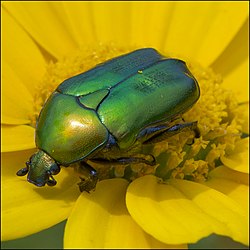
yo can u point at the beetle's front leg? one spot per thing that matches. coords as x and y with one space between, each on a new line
89 183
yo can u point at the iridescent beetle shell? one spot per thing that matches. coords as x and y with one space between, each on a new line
106 110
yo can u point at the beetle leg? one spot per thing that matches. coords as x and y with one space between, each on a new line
126 160
179 127
161 133
51 181
23 171
89 183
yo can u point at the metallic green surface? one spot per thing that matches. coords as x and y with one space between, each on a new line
158 93
40 164
94 99
111 72
109 105
67 131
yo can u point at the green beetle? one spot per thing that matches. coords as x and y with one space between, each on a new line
101 114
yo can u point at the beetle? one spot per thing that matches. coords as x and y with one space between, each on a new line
99 115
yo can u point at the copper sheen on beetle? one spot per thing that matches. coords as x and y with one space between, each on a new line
99 115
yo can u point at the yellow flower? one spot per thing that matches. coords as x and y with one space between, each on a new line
203 187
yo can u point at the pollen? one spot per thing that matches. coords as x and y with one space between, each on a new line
220 125
181 156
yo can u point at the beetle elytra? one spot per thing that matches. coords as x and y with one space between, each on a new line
101 114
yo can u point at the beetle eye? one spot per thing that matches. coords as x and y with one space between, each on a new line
55 169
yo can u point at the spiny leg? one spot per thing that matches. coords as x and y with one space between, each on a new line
160 133
51 181
126 160
179 127
89 183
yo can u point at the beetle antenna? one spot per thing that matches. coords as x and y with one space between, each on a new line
23 171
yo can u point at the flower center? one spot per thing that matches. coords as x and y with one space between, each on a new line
216 112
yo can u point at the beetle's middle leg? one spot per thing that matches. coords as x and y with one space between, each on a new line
89 183
127 160
162 132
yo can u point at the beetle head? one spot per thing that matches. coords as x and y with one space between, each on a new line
40 169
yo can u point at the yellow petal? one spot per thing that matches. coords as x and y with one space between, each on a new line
15 138
184 211
27 209
244 112
6 119
17 102
101 220
112 21
150 23
46 22
239 159
233 64
238 81
202 30
21 53
229 174
80 20
231 183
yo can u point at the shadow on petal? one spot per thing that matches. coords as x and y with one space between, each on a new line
27 209
101 220
183 211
